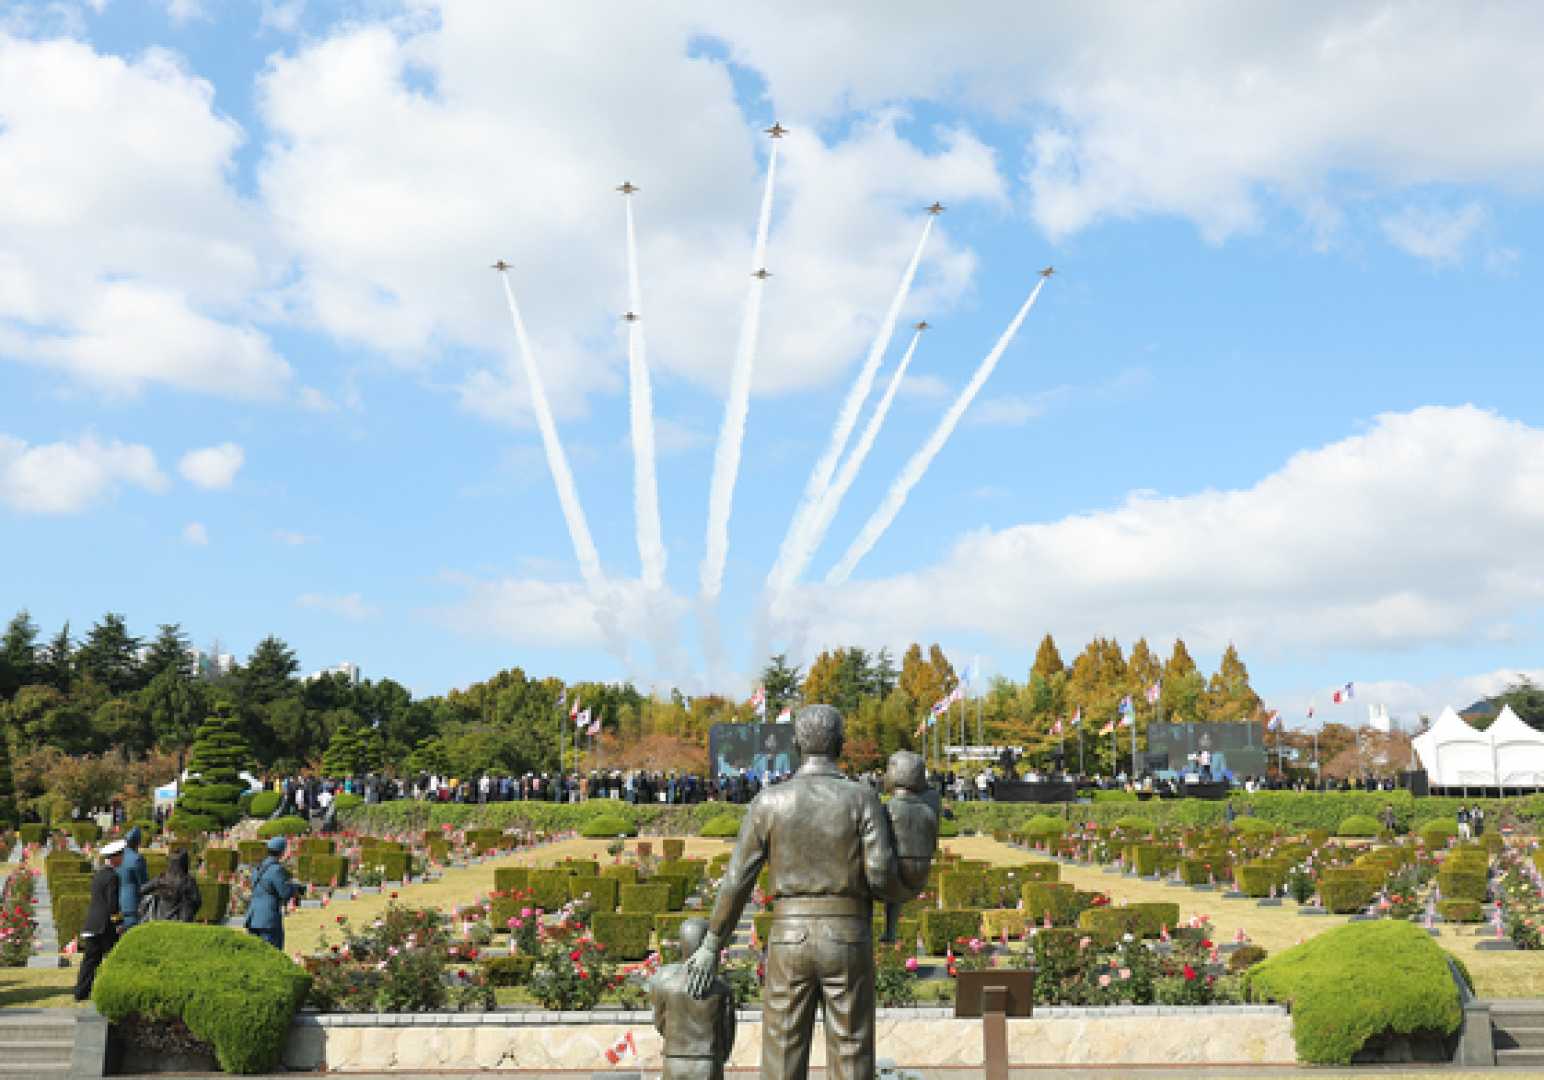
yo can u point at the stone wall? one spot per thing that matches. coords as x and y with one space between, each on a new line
913 1038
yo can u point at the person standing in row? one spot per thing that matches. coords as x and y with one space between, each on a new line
271 891
98 934
132 878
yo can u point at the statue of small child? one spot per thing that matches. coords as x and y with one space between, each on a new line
698 1032
914 809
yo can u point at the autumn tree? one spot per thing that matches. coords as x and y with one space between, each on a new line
1184 686
1229 695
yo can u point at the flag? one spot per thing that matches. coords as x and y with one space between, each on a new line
1338 696
573 711
624 1045
1077 716
1056 728
786 716
1128 711
1107 728
759 700
583 719
1350 691
1154 692
1127 720
1273 722
594 728
1310 710
1378 718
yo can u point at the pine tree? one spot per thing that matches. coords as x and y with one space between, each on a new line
18 655
8 814
348 753
110 655
781 682
56 661
213 788
171 650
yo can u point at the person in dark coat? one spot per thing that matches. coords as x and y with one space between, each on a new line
173 896
132 878
98 934
271 891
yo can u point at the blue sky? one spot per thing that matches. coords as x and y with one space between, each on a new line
1284 389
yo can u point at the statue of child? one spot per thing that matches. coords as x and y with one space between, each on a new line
914 810
698 1032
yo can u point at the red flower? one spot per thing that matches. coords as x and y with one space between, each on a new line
1206 944
576 956
583 974
1190 973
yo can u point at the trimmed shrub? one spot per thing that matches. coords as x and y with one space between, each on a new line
32 833
284 826
625 873
189 823
549 888
1436 834
1147 859
346 800
1245 957
1359 825
667 928
607 825
624 936
508 970
1462 883
1344 894
725 825
508 879
1461 911
395 865
679 885
673 847
1194 872
962 889
1359 982
1253 827
644 899
217 861
69 914
692 869
323 869
601 892
1044 827
1039 871
233 991
1000 921
940 929
317 845
214 901
251 852
85 832
1154 917
1255 879
948 829
1134 825
263 804
1055 898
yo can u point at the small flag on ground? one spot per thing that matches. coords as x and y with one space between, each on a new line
624 1045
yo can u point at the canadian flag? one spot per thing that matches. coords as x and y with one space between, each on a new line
624 1045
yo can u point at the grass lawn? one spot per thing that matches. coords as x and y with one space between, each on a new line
37 988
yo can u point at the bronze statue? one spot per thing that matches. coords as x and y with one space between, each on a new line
914 809
698 1030
831 855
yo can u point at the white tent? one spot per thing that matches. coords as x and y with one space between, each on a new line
1509 753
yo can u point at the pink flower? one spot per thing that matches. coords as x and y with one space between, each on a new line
1104 980
1125 973
911 963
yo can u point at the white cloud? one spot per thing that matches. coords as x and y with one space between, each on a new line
181 11
349 606
65 478
374 125
282 16
128 257
213 468
313 400
196 534
1428 528
673 437
1438 236
1014 410
925 388
539 611
291 538
1201 111
1407 701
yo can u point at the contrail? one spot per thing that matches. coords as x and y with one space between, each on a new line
651 545
796 543
563 480
731 436
895 498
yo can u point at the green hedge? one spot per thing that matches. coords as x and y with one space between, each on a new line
962 889
214 901
1345 895
625 935
323 869
508 879
645 899
508 970
219 860
607 825
69 915
1437 833
284 826
1462 884
624 873
32 833
580 867
942 929
600 893
1256 879
1109 924
1359 825
233 991
251 852
679 885
1461 911
673 847
725 826
263 804
394 864
549 888
317 845
1058 899
1147 859
85 832
1357 982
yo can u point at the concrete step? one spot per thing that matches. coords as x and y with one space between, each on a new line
37 1051
1531 1058
35 1068
1512 1037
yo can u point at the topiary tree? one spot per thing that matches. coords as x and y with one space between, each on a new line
352 751
213 787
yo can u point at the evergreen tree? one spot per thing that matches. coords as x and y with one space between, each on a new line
351 751
171 650
56 661
885 674
8 813
110 655
781 683
213 788
173 702
269 673
18 655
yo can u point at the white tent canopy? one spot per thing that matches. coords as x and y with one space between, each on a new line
1509 753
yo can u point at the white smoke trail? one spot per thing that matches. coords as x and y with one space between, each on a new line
568 493
797 548
651 545
895 498
731 436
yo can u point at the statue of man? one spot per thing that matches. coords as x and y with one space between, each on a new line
828 845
